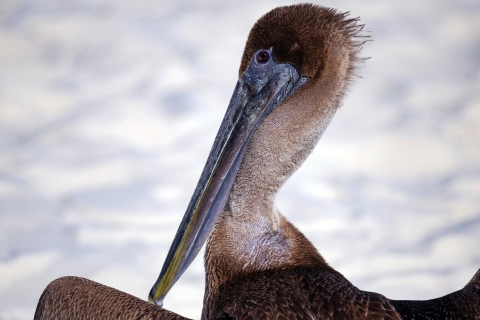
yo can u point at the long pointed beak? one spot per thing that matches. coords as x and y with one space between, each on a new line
255 95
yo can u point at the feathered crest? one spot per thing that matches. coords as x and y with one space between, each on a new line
301 34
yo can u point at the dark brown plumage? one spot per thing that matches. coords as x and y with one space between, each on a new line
296 293
461 304
79 298
300 293
316 293
258 265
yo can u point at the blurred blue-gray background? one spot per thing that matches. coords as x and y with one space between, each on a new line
108 110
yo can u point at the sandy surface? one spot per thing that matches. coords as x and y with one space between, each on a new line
108 110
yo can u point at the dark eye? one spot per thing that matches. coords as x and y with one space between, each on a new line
263 56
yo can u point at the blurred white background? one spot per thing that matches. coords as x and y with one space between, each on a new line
108 110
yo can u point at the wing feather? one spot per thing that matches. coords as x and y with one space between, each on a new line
79 298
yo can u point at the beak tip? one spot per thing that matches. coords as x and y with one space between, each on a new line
153 298
158 303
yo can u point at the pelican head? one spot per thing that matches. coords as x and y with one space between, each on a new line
296 67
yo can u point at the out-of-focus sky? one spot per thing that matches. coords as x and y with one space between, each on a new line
108 110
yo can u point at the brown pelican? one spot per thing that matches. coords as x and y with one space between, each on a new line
296 68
